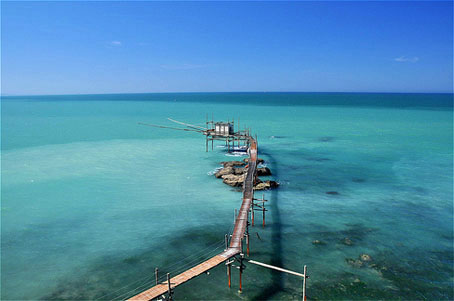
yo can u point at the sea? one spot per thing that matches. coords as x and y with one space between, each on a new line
92 202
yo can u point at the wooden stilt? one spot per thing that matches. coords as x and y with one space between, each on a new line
156 275
229 273
304 282
263 215
170 288
241 274
247 243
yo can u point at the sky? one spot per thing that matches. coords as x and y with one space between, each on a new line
139 47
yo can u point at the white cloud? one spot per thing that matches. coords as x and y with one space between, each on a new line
115 43
406 59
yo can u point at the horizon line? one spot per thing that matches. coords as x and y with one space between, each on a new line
207 92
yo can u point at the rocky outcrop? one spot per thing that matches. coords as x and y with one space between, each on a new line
224 171
234 173
232 163
239 170
263 171
266 185
233 180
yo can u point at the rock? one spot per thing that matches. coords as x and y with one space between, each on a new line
326 139
261 186
318 242
232 163
233 180
224 171
365 257
354 262
266 185
259 161
263 171
239 170
332 192
346 241
358 180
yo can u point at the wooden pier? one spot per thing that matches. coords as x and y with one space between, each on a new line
234 244
236 241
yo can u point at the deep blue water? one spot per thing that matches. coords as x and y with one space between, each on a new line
92 202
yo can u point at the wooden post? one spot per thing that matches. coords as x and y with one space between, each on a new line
207 144
156 275
226 242
263 215
241 273
169 288
247 243
229 273
304 282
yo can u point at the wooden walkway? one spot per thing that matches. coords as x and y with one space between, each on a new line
235 242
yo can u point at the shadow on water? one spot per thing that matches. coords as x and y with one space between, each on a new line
276 242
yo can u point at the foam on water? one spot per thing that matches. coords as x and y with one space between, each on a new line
92 202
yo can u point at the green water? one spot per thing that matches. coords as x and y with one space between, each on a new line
92 202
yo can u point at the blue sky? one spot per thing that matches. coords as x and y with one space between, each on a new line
135 47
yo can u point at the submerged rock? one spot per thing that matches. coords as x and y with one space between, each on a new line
224 171
332 192
326 139
263 171
354 262
318 242
232 163
346 241
365 257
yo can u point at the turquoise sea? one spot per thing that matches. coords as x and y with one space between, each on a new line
92 202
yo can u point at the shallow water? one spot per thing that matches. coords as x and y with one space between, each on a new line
92 202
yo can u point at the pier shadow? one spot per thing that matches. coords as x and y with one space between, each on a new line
277 280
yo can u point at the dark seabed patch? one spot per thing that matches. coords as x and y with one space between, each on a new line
326 139
121 276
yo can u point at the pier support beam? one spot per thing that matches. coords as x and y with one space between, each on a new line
170 293
241 273
263 224
229 274
304 282
156 275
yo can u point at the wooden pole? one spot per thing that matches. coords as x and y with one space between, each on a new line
229 273
226 242
156 275
241 273
169 288
247 243
263 215
304 282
